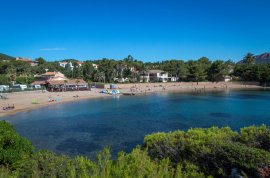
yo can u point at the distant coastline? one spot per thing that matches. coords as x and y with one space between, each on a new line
25 101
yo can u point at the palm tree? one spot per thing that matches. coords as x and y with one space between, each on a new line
11 74
143 71
77 82
65 82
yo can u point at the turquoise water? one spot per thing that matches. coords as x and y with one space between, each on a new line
86 127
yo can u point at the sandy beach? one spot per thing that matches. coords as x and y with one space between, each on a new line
24 101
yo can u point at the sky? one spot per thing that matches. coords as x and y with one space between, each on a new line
149 30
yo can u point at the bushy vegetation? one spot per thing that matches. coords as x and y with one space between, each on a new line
216 151
108 69
213 152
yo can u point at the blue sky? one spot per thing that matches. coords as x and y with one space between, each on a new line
149 30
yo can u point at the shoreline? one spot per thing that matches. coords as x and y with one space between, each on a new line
66 97
23 100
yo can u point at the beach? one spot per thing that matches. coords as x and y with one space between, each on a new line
23 101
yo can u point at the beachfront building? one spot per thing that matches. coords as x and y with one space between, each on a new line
50 76
67 85
44 78
28 60
56 81
154 76
227 78
121 80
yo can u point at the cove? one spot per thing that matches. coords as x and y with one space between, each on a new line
86 127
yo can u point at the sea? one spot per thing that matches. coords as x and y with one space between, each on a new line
86 127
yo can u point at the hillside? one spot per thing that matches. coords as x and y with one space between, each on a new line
5 57
260 59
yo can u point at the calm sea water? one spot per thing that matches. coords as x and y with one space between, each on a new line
86 127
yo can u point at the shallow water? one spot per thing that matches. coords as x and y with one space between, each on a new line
86 127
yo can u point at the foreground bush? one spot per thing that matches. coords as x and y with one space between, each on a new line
216 151
136 164
197 153
14 149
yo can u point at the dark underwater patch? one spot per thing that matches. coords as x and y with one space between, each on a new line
220 115
251 96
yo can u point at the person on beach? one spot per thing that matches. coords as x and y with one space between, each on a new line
9 107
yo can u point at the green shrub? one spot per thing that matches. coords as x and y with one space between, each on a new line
258 137
216 151
25 80
192 154
47 164
14 149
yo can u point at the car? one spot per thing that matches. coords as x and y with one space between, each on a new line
37 86
19 87
4 88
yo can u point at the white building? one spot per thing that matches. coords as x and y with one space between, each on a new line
64 64
95 66
173 79
154 76
227 78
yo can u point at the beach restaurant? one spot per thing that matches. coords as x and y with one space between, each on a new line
56 81
67 85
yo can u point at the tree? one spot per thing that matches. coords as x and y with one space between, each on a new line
14 149
249 58
88 70
65 82
4 80
108 68
128 60
265 74
127 73
40 60
175 68
11 74
217 71
77 82
196 71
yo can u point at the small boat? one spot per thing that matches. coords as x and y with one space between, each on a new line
104 91
115 92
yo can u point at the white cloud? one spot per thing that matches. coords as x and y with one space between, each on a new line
53 49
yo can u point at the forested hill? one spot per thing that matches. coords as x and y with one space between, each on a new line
263 58
6 57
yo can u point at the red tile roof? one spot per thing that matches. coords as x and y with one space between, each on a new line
27 60
49 74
